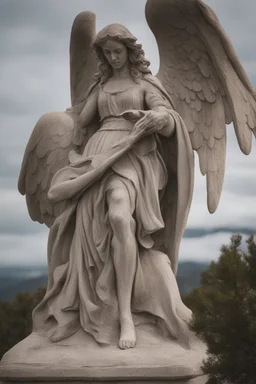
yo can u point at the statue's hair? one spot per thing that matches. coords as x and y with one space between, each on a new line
138 64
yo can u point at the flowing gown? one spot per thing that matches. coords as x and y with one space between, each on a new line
82 292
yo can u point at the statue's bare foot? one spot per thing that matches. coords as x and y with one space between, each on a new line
127 335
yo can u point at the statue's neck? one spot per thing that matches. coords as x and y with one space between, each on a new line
121 73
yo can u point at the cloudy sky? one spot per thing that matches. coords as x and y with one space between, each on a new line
34 78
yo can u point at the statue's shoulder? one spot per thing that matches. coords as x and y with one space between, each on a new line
95 87
154 82
148 78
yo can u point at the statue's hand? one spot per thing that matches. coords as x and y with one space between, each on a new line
148 122
132 115
152 121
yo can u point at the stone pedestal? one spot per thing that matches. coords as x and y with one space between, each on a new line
80 359
197 380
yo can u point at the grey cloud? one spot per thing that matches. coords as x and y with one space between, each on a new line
23 250
51 21
206 248
43 28
10 106
202 232
11 158
29 13
234 211
20 224
14 218
241 183
8 170
7 182
238 19
34 85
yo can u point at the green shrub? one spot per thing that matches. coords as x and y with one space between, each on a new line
224 310
16 320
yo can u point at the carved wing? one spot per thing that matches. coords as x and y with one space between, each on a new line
46 152
52 138
208 85
82 58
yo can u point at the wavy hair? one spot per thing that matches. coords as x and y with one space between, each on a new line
138 65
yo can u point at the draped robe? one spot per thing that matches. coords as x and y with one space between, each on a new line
81 289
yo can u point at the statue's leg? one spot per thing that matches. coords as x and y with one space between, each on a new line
124 248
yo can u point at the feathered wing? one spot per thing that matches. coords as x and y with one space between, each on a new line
52 138
203 75
82 58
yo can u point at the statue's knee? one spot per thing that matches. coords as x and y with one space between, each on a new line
118 219
120 216
118 197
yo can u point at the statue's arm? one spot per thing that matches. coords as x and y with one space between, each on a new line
162 110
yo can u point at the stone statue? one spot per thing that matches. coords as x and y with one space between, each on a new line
112 176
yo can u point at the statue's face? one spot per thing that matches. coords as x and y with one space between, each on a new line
115 53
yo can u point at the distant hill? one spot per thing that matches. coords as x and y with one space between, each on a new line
188 276
201 232
29 285
14 280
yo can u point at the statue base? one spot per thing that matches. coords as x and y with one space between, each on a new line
80 359
197 380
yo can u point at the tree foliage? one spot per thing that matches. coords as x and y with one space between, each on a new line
224 310
16 320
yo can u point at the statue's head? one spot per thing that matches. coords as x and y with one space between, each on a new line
116 46
117 32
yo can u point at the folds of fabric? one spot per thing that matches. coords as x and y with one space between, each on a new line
82 284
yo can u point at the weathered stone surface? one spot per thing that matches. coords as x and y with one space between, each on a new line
197 380
81 358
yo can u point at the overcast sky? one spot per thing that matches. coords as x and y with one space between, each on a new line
34 78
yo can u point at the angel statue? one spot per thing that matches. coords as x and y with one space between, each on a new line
112 176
